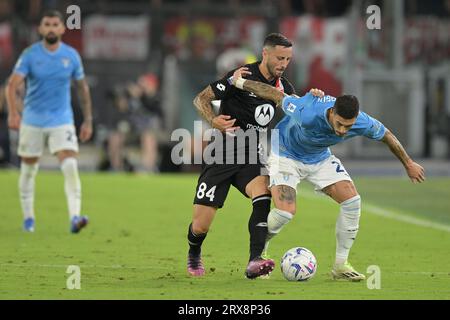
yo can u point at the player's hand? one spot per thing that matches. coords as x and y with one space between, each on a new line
415 172
240 73
86 131
14 120
224 123
317 92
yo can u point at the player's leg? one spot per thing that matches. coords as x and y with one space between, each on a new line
210 194
284 200
63 142
347 225
257 190
72 188
31 144
285 175
28 171
342 190
202 219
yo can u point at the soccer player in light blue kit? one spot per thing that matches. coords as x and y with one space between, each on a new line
48 67
311 125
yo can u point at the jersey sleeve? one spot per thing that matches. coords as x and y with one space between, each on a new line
375 130
22 66
223 87
293 106
78 70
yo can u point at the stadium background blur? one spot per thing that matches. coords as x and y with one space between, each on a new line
401 73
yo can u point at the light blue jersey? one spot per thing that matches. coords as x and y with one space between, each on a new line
48 77
305 134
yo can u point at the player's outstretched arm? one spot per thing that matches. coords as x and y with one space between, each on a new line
415 171
203 104
86 103
260 89
14 117
263 90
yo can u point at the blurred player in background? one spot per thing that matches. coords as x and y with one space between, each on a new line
136 115
312 124
239 110
48 67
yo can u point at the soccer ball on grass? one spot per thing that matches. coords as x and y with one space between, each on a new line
298 264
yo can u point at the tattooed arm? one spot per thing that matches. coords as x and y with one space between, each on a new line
86 103
260 89
415 172
263 90
203 104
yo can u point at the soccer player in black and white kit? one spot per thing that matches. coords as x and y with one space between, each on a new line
239 110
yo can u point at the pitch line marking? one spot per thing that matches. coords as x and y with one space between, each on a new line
406 218
391 214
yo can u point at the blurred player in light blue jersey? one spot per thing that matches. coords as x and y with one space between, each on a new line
311 125
48 67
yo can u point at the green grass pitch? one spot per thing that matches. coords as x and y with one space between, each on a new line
135 246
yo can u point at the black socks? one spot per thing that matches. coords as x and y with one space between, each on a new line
257 225
195 241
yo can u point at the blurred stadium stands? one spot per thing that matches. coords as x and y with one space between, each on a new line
401 73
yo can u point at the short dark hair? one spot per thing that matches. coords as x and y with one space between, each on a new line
347 106
277 39
52 14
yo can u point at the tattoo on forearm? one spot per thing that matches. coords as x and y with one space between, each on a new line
287 194
203 104
85 99
264 91
396 147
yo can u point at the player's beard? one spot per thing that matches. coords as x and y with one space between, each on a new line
51 38
273 72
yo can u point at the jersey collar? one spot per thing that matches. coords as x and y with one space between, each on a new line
52 53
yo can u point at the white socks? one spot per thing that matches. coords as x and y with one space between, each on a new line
26 188
275 222
277 219
347 226
72 186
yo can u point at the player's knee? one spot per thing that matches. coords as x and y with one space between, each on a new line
28 170
30 161
257 192
199 227
257 187
63 155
